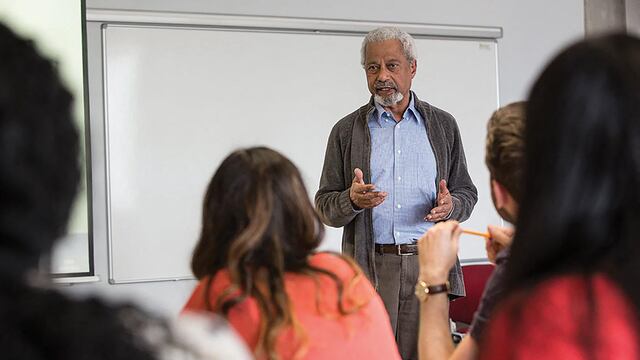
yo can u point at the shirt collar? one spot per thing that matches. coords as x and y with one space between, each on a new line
410 113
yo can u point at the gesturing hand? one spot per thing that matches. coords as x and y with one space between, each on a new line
444 204
501 238
362 195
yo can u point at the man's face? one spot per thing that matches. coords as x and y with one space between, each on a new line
389 74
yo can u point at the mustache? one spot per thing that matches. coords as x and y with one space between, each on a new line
382 84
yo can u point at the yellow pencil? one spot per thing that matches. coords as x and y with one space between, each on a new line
477 233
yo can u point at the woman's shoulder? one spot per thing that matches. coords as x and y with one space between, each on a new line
551 298
322 257
346 270
208 288
551 315
336 263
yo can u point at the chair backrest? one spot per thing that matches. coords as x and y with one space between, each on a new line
475 279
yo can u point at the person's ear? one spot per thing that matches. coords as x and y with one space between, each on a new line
504 202
500 194
413 67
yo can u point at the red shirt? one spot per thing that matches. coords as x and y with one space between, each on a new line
365 334
556 321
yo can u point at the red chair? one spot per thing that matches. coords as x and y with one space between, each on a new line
462 309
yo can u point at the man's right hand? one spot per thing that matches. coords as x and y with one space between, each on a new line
364 196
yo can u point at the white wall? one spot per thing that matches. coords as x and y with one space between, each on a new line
602 16
533 31
632 12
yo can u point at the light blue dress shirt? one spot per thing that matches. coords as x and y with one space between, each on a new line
403 165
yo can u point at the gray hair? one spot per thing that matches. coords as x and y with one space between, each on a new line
389 33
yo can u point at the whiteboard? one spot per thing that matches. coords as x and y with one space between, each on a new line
179 99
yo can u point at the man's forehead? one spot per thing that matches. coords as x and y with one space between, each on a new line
388 49
384 58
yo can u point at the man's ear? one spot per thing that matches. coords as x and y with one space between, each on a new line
413 67
505 204
500 194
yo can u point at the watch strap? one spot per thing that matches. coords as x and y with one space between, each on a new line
436 289
423 289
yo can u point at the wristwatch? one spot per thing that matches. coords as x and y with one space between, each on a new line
422 289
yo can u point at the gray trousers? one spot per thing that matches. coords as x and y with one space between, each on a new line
397 277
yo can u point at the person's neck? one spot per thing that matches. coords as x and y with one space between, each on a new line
398 109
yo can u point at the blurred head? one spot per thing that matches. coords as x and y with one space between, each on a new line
39 167
389 60
580 206
256 216
504 157
39 174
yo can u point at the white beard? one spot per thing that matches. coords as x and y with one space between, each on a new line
391 100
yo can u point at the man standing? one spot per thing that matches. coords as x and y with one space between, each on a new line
392 169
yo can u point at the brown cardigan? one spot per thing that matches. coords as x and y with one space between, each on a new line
349 146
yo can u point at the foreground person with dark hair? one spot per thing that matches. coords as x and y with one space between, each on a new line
258 265
573 273
39 175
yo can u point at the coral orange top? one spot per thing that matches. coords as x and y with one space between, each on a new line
365 334
555 320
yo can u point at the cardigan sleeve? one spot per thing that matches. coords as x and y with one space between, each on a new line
332 198
463 192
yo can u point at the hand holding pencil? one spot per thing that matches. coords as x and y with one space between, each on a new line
438 247
496 239
500 238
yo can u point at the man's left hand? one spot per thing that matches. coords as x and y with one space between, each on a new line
444 204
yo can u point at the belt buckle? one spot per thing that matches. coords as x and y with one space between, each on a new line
399 251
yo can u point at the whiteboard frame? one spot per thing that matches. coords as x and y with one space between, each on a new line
132 17
118 18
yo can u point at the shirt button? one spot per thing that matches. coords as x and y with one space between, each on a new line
399 125
398 206
397 233
399 178
399 151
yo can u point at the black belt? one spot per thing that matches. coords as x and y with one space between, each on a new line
402 249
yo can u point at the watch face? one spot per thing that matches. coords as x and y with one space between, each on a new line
421 290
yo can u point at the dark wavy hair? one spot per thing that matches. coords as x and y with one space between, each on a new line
580 209
258 224
38 154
